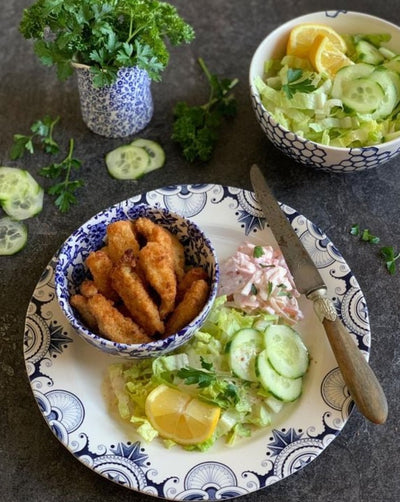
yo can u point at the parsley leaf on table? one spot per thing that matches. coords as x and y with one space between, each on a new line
64 189
390 257
386 252
195 128
296 82
42 131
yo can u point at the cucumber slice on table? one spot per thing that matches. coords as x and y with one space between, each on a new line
14 181
154 150
127 162
286 351
242 352
13 236
283 388
20 195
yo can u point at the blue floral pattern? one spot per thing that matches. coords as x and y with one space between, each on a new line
66 374
117 110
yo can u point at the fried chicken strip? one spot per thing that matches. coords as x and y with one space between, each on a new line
100 266
120 237
190 306
158 266
112 324
155 233
136 299
193 274
80 303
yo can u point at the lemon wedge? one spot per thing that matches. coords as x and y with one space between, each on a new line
326 57
302 37
179 416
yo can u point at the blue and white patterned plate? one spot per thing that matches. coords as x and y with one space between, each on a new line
66 373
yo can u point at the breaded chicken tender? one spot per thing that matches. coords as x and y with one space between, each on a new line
158 267
178 256
136 298
112 324
193 274
88 288
120 237
80 303
190 306
155 233
100 266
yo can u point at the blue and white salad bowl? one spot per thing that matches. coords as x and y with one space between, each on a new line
71 271
306 152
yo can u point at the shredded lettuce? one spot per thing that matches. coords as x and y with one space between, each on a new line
311 112
203 360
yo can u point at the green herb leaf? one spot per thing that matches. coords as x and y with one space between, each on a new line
296 82
390 257
105 35
355 229
258 252
42 133
193 376
196 128
66 188
368 237
253 290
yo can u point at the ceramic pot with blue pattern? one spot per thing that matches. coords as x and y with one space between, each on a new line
117 110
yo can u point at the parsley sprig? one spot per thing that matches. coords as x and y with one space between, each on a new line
42 135
195 128
297 82
388 253
64 189
104 34
226 391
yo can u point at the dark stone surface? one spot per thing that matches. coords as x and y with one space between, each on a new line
362 464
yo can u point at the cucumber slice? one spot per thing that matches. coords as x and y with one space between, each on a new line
283 388
286 351
390 83
242 352
24 205
348 74
393 64
127 162
154 150
363 95
14 181
13 236
368 53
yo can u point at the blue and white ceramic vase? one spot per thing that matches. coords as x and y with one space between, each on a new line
117 110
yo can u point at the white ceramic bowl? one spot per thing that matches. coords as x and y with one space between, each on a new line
71 271
307 152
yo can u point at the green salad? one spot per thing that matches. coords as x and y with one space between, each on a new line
249 366
358 106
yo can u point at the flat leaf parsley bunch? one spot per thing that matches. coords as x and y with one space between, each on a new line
104 34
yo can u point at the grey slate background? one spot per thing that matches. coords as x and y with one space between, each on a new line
362 464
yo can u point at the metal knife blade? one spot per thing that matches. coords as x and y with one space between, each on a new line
305 274
361 381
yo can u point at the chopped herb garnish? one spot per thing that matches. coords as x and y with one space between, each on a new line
368 237
258 252
296 82
253 290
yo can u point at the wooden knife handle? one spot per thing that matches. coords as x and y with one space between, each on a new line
361 381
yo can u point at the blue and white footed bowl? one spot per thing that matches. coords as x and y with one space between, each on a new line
117 110
71 271
309 153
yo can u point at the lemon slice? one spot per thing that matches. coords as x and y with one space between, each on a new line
302 36
326 57
179 416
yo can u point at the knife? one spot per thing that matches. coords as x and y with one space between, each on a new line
361 381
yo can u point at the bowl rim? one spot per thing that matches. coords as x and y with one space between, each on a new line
256 95
155 345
